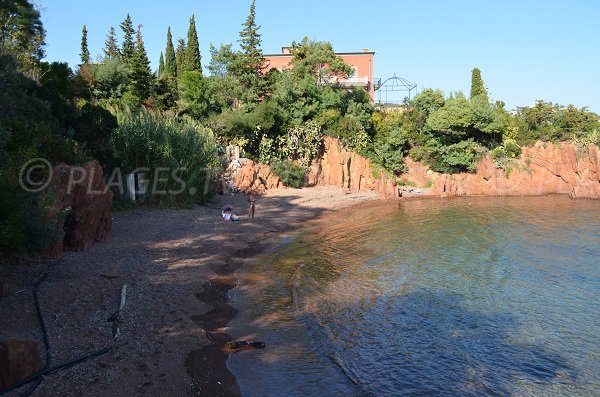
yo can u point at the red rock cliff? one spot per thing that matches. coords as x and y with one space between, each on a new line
544 168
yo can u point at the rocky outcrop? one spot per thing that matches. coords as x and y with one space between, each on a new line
254 177
339 167
544 168
81 209
18 360
336 167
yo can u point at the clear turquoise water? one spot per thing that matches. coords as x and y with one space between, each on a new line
465 297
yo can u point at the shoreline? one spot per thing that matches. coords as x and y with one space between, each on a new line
179 266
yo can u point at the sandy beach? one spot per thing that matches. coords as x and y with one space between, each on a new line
178 266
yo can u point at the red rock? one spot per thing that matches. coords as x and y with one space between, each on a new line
5 288
18 360
82 210
544 168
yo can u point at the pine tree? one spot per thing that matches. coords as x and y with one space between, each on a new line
161 65
111 49
252 63
180 56
128 49
170 61
140 77
193 59
85 53
477 86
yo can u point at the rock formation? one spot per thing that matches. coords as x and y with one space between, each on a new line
81 208
18 360
544 168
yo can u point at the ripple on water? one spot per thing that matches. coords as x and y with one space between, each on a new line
473 296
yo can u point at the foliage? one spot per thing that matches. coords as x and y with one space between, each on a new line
477 87
111 48
193 91
290 174
85 52
128 46
303 143
457 157
192 60
140 75
174 150
22 35
170 60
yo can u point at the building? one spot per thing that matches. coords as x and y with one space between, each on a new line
361 62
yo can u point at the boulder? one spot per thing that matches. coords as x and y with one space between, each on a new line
81 209
18 360
5 288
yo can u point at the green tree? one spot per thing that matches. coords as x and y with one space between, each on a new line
477 86
317 59
85 52
250 64
161 65
170 60
180 56
140 77
111 48
192 57
22 35
128 49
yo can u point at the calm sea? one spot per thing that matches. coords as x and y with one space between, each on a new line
442 297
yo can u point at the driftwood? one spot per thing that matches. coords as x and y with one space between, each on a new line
116 319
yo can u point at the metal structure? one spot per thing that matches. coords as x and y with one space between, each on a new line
393 90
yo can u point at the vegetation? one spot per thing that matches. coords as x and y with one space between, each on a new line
116 109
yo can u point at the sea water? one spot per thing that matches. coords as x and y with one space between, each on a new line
441 297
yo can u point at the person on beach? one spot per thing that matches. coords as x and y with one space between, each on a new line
251 201
228 214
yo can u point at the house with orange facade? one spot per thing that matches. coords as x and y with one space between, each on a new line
360 62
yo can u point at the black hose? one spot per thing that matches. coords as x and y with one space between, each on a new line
38 375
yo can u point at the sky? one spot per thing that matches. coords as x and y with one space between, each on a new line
526 50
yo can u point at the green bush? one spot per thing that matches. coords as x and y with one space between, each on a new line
290 173
166 144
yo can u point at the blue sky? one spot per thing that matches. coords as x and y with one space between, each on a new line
526 50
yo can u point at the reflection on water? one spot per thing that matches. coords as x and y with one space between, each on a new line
470 296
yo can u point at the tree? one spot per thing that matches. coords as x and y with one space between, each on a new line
140 78
161 65
170 60
317 58
22 34
85 53
192 57
111 49
128 49
477 86
250 65
180 56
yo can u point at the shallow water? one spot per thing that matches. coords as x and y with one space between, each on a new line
466 296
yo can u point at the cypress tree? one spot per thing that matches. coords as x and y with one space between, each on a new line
128 44
170 61
193 58
477 86
111 49
161 65
140 77
85 53
180 56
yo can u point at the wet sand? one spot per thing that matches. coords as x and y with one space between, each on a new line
179 266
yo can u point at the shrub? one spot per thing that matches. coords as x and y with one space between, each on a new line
156 141
290 173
